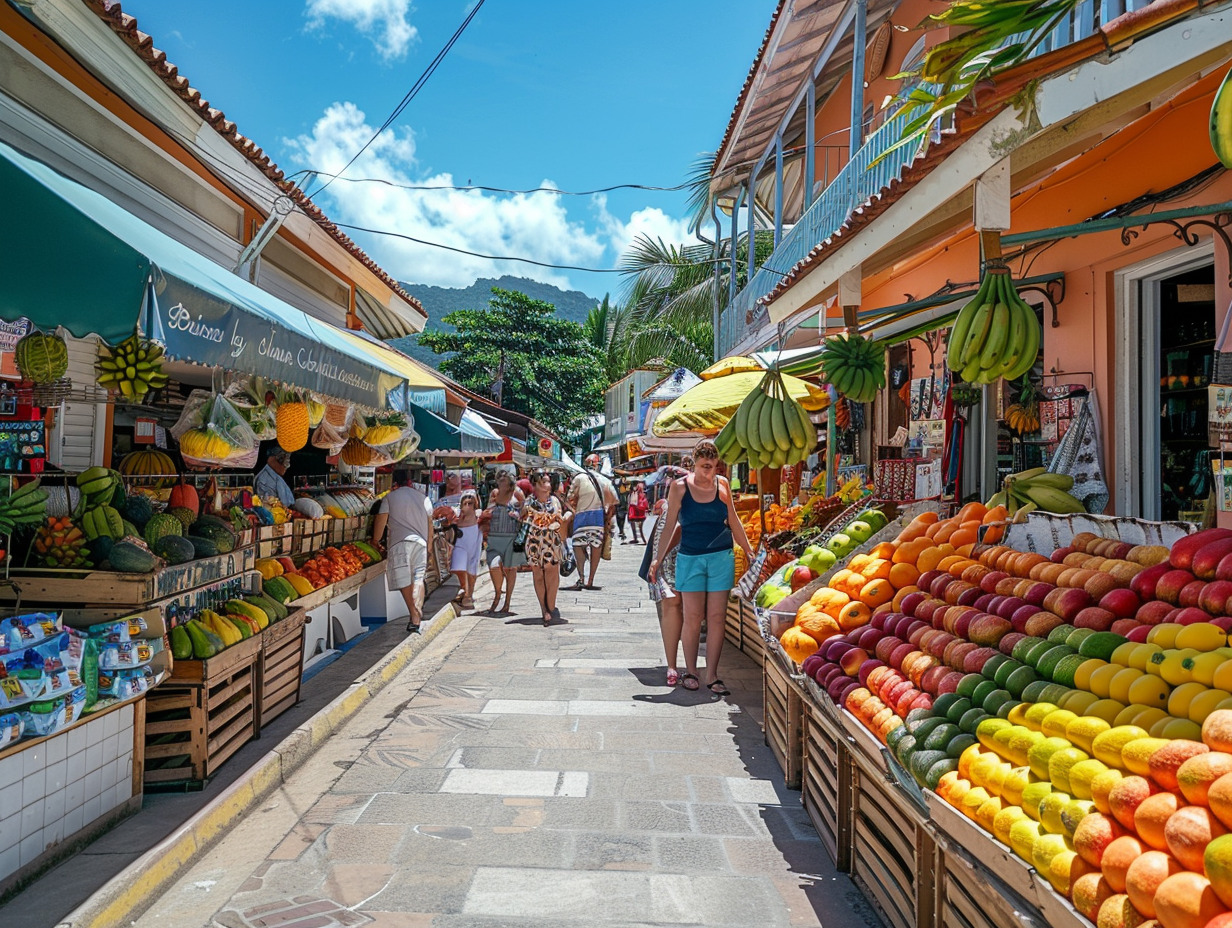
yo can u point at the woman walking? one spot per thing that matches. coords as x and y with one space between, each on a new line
545 541
663 594
639 506
464 562
701 503
502 519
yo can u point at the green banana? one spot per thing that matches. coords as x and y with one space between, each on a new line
978 334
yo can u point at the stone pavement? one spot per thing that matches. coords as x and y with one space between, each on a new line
517 775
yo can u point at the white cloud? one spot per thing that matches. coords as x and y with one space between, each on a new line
385 22
532 225
650 222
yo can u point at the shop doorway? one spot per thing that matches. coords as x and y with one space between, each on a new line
1167 352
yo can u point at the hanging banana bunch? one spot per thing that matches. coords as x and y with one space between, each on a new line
855 365
996 335
770 428
134 367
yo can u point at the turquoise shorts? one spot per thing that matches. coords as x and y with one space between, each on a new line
706 573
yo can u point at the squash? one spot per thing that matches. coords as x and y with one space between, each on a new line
184 495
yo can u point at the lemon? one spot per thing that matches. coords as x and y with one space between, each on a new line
1108 746
1164 634
1136 755
1054 723
1083 774
1182 696
1141 655
1122 680
1151 691
1124 654
1205 703
1202 636
1082 731
1084 673
1100 682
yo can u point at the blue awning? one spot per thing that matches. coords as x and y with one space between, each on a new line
77 259
478 437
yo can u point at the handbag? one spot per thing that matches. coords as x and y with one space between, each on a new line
519 538
606 553
568 564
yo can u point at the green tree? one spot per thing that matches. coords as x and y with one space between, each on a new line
551 371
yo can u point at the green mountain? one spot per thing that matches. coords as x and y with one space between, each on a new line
440 301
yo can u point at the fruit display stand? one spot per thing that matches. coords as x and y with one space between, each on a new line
280 668
275 540
825 774
782 723
202 714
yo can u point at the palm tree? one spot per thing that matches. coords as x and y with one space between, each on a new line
606 329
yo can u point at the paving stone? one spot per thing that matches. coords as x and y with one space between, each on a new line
657 816
720 820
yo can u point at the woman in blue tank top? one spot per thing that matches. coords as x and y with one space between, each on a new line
705 566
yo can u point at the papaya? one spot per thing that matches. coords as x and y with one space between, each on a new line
247 609
300 583
181 644
241 626
202 647
275 610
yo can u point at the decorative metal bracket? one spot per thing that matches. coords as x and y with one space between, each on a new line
1218 224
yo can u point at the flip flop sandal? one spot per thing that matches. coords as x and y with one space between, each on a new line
721 691
689 681
673 678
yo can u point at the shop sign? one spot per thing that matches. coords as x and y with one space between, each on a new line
195 326
633 448
10 334
545 447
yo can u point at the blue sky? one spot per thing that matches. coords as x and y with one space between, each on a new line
575 95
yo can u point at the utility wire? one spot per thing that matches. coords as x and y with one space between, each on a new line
410 94
564 193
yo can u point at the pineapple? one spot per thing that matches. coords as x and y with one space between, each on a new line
292 423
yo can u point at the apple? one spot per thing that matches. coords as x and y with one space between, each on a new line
868 667
874 517
1223 621
1138 635
928 608
1008 606
839 687
1124 626
988 583
1007 642
1190 593
911 601
1169 586
1224 569
1152 612
840 544
988 629
837 646
954 590
1191 615
914 627
1186 549
1145 582
993 603
1037 591
969 596
956 652
949 683
983 601
851 661
1043 622
925 580
860 531
1022 615
938 586
1215 596
801 576
930 680
962 624
867 637
1067 602
974 661
1121 602
894 693
811 663
1094 617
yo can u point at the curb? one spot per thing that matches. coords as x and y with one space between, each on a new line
132 890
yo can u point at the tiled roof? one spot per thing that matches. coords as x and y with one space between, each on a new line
748 81
968 120
125 26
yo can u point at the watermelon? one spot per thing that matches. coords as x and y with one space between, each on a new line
185 515
160 525
173 549
137 510
202 547
216 531
279 590
130 558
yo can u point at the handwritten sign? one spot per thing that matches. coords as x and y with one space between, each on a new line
197 326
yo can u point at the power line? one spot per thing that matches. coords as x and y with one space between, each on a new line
565 193
410 94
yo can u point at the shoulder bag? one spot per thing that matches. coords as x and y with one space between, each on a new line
606 553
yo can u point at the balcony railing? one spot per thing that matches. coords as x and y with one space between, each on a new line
860 180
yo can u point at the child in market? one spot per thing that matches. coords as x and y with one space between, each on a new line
464 563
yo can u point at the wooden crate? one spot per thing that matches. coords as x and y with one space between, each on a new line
280 668
733 625
201 715
893 853
825 775
782 720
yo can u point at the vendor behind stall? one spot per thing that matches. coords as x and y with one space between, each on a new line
269 482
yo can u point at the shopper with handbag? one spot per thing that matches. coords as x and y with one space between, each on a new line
502 520
593 500
545 541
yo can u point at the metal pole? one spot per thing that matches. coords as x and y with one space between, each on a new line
752 262
778 190
810 156
860 41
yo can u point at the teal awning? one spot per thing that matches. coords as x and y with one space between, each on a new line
472 438
478 437
73 258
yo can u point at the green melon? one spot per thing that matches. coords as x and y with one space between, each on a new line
958 709
216 531
1023 647
1101 645
971 719
130 558
939 769
173 549
137 510
940 737
1004 669
1060 633
160 525
986 687
41 358
960 743
202 547
989 670
941 705
1046 666
921 761
967 685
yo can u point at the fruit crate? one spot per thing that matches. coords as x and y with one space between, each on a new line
309 535
893 854
280 668
967 895
825 775
782 721
274 540
201 715
732 622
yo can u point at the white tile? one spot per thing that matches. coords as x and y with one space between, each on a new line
501 782
573 783
57 774
74 821
74 795
122 771
124 790
125 715
57 749
31 847
32 818
53 808
12 768
92 809
76 766
93 784
525 707
53 833
10 799
94 731
76 739
10 832
33 759
617 707
95 758
109 776
10 860
33 787
759 791
111 747
111 724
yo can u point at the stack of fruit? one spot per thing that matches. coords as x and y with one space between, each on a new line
855 366
769 429
134 367
211 631
1037 489
1078 706
996 335
26 505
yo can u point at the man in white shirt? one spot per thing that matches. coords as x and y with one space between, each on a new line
269 483
408 514
593 500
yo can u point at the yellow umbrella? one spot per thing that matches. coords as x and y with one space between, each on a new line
737 364
708 406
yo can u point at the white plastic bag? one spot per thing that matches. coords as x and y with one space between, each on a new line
213 433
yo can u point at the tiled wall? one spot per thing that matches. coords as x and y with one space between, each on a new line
53 789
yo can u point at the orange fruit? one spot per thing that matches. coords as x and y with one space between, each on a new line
854 615
876 569
902 575
876 592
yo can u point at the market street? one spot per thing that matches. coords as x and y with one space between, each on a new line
514 774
